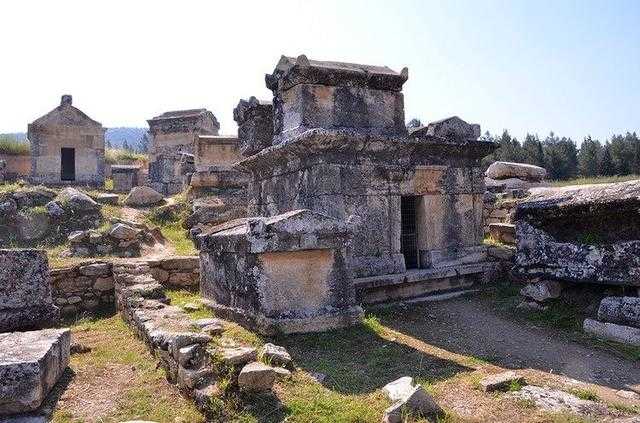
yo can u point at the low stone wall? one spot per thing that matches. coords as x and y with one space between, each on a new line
17 166
83 288
89 286
498 209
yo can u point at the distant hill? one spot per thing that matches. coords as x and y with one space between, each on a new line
115 136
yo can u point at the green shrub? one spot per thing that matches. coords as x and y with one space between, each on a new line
14 148
118 155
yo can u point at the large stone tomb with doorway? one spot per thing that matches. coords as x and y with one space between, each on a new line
340 147
287 273
25 291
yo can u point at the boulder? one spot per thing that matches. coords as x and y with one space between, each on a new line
77 201
416 402
239 355
54 210
613 332
8 208
523 171
143 196
541 291
275 355
123 232
30 365
33 197
256 377
32 225
399 388
77 237
620 310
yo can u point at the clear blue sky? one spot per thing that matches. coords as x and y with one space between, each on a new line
568 66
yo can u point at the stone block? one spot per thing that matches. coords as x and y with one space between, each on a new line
30 365
25 291
613 332
620 310
500 381
256 377
505 170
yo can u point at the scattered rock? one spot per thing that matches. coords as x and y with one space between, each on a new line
32 225
143 196
256 377
275 355
123 232
8 207
201 323
281 372
500 381
239 355
399 388
559 401
54 210
77 201
318 377
627 394
620 310
541 291
191 307
78 348
33 197
531 306
416 402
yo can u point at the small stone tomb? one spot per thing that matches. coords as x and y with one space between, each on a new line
124 177
286 273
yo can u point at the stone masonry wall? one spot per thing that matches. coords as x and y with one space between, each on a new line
89 286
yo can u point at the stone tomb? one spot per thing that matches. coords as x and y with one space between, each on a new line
124 177
340 148
30 365
585 234
25 291
282 274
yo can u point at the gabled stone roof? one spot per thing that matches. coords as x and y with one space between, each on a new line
181 114
65 115
292 71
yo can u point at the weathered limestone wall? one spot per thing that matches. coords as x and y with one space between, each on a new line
46 145
450 201
17 167
216 150
83 288
89 286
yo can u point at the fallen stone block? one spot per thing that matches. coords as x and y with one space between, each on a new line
620 310
505 170
256 377
239 355
416 402
143 196
399 388
30 365
541 291
558 401
500 381
613 332
276 355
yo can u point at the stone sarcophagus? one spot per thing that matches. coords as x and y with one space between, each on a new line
581 234
282 274
25 291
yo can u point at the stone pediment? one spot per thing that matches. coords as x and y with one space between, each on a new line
65 115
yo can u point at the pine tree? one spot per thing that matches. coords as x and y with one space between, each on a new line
589 157
607 167
143 143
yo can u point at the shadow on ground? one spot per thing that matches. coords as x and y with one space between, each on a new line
469 326
358 360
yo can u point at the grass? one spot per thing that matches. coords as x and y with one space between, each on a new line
584 394
118 380
118 155
595 180
169 219
12 147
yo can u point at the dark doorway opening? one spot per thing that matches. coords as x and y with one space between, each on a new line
68 164
409 231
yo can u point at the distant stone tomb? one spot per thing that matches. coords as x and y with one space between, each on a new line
174 134
67 147
125 177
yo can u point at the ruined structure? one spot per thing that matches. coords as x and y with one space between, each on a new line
581 234
173 135
340 148
67 146
125 177
30 362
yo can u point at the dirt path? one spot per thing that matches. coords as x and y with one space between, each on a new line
469 326
158 250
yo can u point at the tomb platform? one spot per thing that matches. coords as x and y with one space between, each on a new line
30 365
287 273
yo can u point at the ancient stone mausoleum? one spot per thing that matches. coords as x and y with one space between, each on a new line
174 135
340 148
67 147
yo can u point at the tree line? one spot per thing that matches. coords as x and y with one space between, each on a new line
619 155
